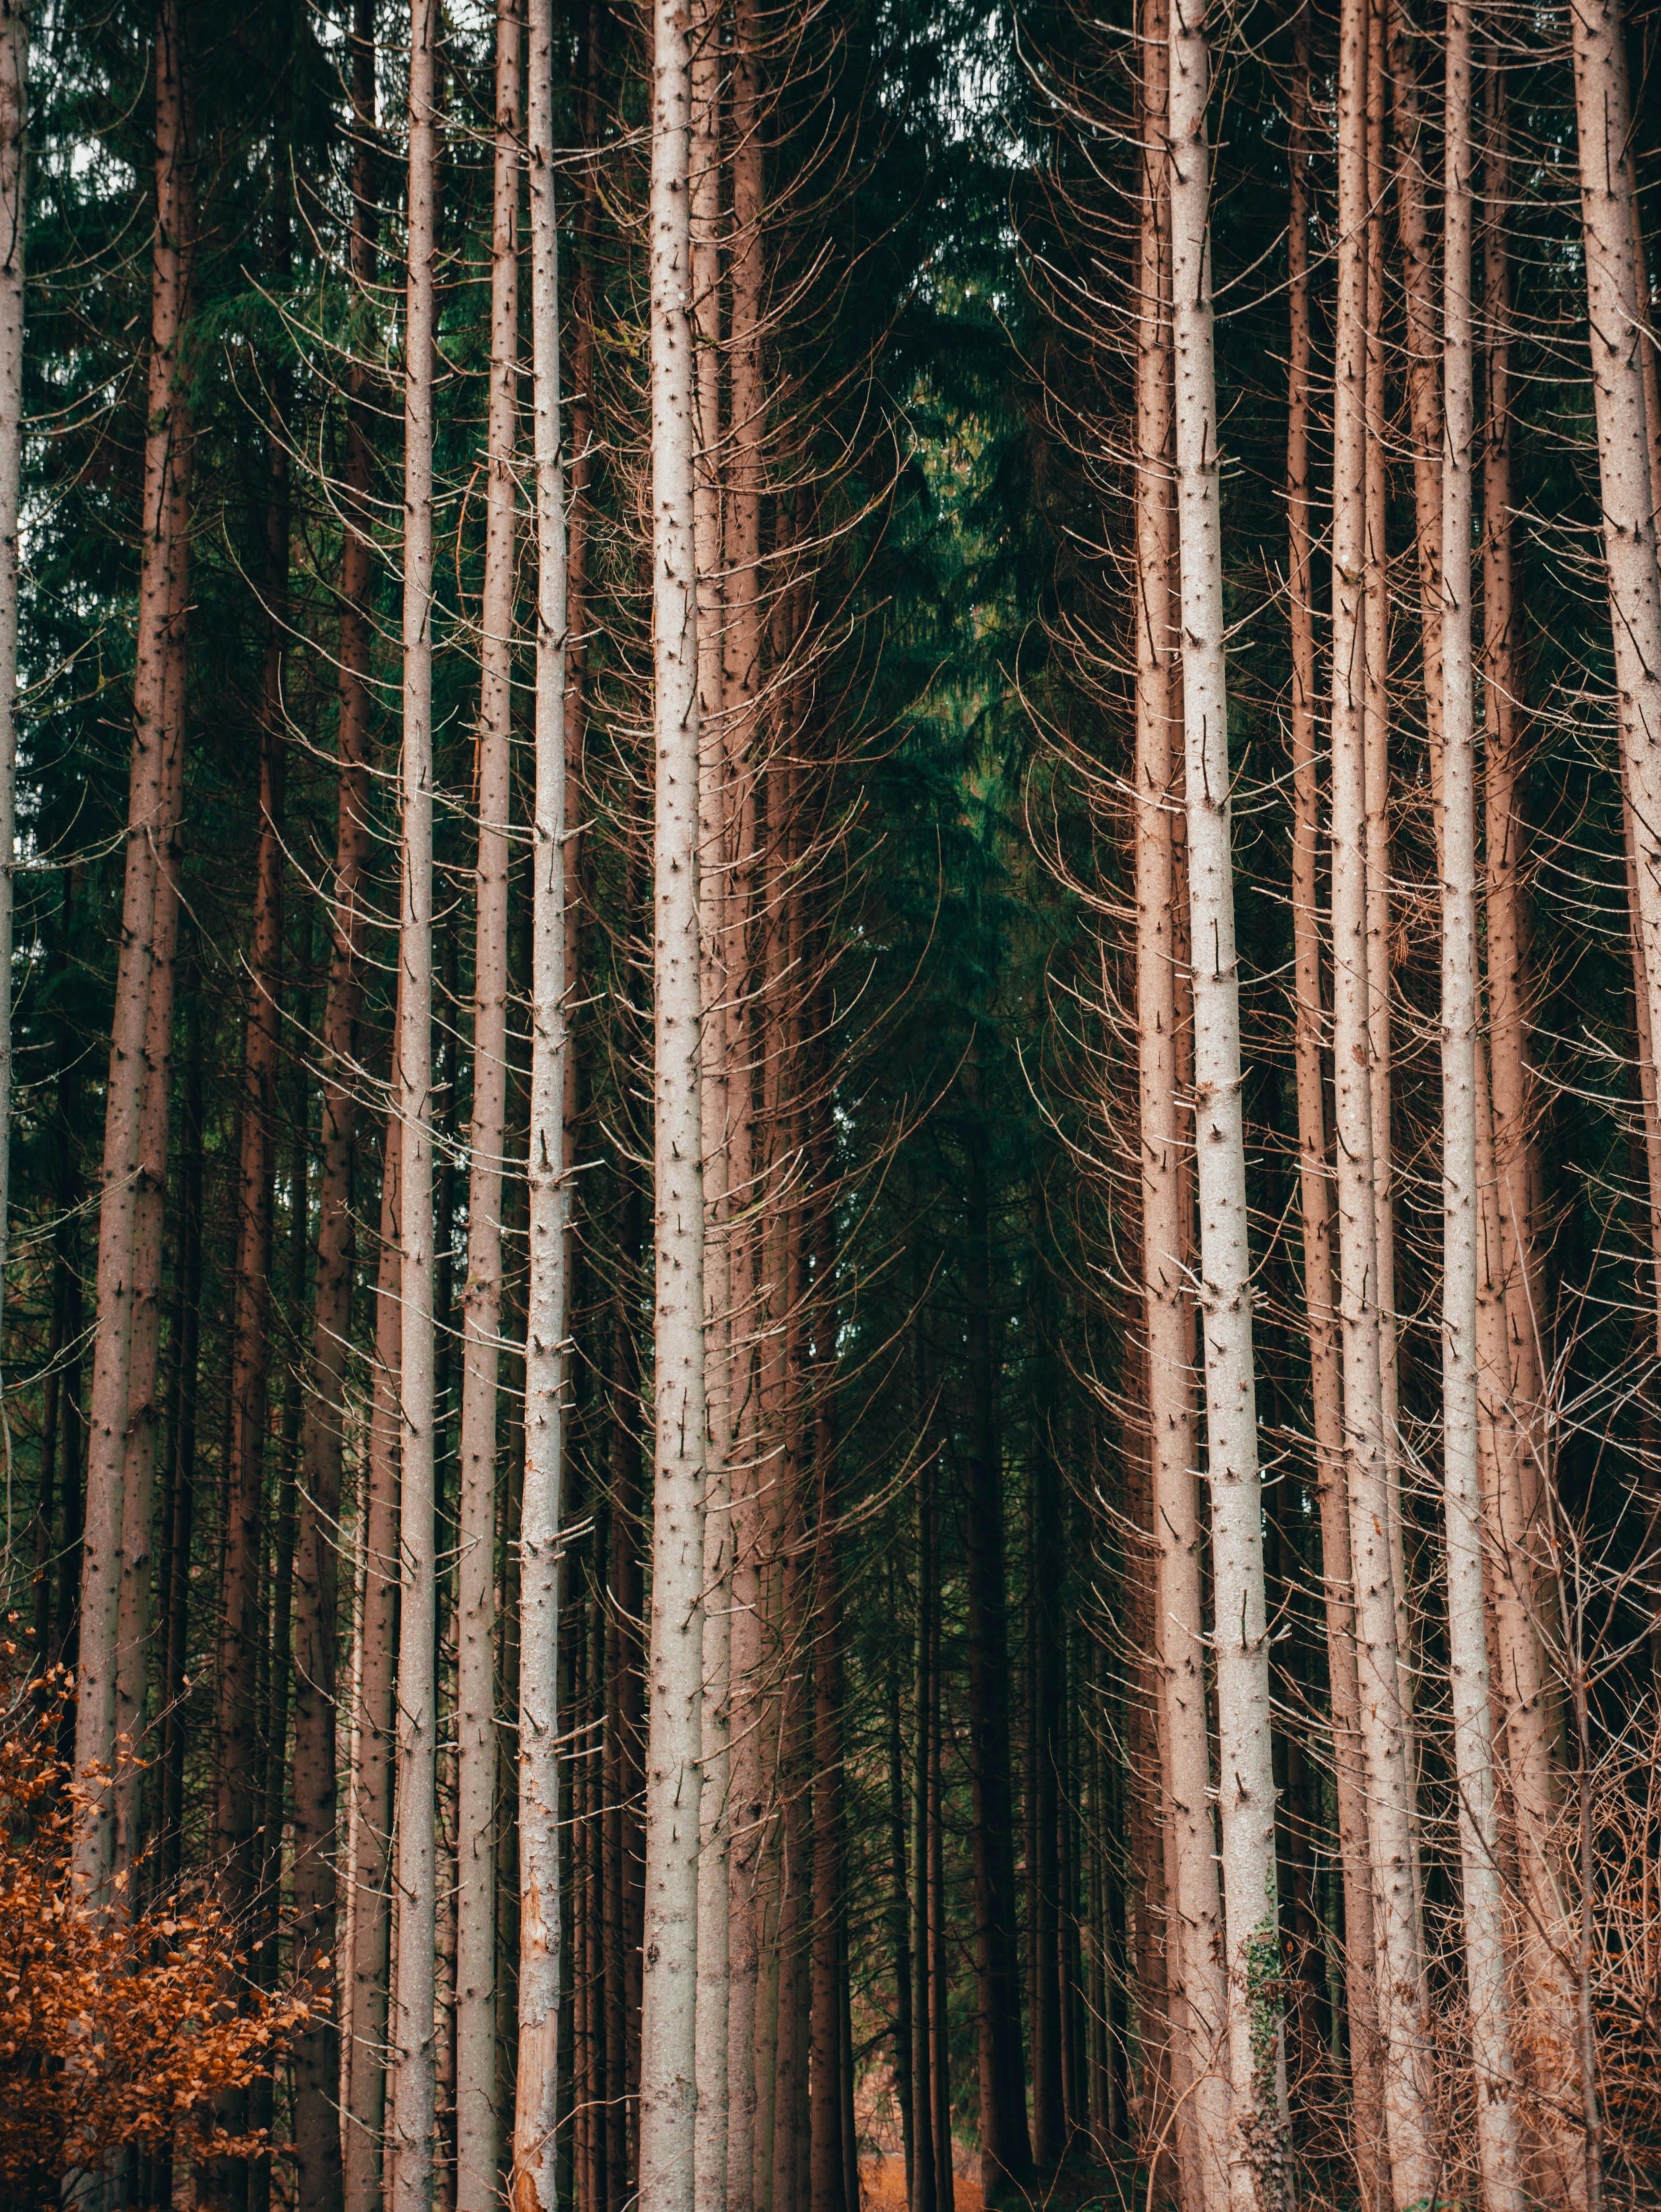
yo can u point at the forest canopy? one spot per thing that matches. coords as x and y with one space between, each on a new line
829 1154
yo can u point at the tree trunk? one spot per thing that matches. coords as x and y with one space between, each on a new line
181 1508
535 2112
1315 1186
156 706
370 1771
923 2194
675 1662
317 2132
1390 1798
478 2122
13 151
413 2029
1046 1756
1241 1636
741 688
1498 2144
828 2178
714 788
143 1410
1193 1911
237 1810
898 1915
1603 113
1006 2149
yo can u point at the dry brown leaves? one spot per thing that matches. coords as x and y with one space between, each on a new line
115 2029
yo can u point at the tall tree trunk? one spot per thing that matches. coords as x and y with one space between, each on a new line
1316 1193
623 1678
710 2152
156 706
370 1770
413 2030
477 2124
898 1915
1390 1800
1006 2149
1510 1318
1616 313
791 2088
940 1987
675 1661
1376 723
1193 1910
740 689
237 1809
1240 1640
14 177
1498 2142
317 2134
143 1409
828 2178
925 1998
242 1649
180 1508
1046 1756
535 2105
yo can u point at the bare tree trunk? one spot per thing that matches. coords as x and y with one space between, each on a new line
236 1730
478 2131
370 1772
161 610
1511 1315
1006 2147
1390 1798
675 1662
143 1409
536 2106
413 2027
714 791
741 688
1349 1777
1193 1911
922 2195
1604 112
14 180
1498 2141
1241 1634
828 2180
317 2133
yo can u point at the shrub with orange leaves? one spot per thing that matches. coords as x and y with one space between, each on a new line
116 2029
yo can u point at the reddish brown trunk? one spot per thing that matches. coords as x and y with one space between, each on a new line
828 2178
371 1773
318 2179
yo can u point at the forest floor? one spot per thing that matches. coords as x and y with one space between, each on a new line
882 2185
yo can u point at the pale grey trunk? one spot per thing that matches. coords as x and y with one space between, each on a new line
711 2149
535 2109
1240 1641
1315 1186
1498 2141
1390 1806
478 2123
1193 1926
675 1658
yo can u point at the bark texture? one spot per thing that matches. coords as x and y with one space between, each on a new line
675 1656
